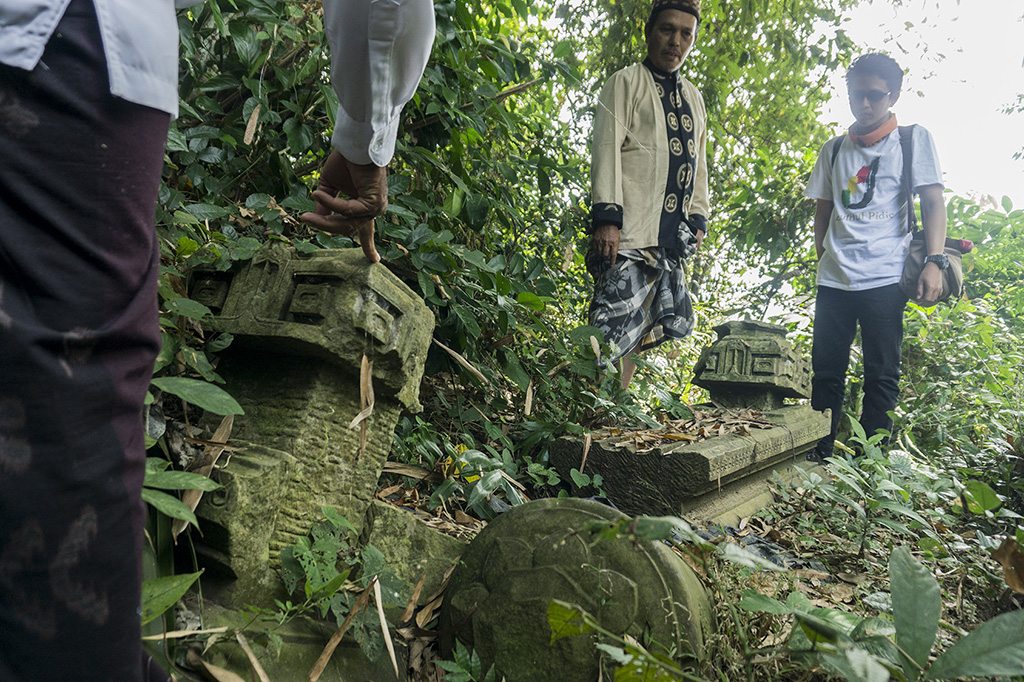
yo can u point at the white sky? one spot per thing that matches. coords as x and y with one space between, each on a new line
966 64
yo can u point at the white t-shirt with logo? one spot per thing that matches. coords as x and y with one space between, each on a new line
867 239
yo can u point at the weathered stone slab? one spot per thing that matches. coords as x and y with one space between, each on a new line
746 496
498 596
239 522
303 642
666 479
411 547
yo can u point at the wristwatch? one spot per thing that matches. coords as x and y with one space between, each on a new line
940 259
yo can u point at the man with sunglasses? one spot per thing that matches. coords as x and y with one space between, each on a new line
861 239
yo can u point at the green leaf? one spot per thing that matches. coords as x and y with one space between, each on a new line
337 520
580 479
332 586
186 247
514 369
160 594
617 654
185 218
169 505
994 649
562 49
567 620
200 393
179 480
531 301
756 602
247 45
818 629
980 497
856 665
580 336
300 136
258 200
207 211
916 605
651 527
295 203
186 307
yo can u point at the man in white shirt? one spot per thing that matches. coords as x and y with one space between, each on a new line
87 89
861 237
649 190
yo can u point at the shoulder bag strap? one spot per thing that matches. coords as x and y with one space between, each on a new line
907 145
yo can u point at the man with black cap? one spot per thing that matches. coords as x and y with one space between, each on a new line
649 190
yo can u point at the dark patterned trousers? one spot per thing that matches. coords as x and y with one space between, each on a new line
79 176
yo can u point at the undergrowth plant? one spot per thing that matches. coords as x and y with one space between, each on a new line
897 645
327 570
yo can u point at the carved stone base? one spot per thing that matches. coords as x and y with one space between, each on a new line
666 480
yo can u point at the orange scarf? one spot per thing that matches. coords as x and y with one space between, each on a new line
872 138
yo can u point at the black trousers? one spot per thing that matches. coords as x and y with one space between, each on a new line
879 312
79 176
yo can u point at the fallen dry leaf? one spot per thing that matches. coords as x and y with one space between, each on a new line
178 634
429 611
410 608
1011 559
464 362
852 578
250 127
244 643
209 670
384 625
318 668
190 498
365 402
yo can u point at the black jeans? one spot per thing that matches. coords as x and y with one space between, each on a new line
837 314
79 175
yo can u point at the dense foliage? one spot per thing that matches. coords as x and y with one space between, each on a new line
487 220
489 188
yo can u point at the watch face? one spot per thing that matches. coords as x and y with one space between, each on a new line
942 260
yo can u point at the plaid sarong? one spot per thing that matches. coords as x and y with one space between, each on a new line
642 302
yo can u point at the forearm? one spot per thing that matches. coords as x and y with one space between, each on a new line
822 216
933 218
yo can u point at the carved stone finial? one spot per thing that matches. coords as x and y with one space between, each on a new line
752 365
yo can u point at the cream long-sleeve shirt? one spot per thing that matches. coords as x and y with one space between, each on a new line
630 155
379 49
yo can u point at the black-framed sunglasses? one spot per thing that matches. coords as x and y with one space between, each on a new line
874 96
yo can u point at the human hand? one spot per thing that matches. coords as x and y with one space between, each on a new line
604 242
367 186
700 239
929 284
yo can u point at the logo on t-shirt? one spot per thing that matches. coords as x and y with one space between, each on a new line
863 181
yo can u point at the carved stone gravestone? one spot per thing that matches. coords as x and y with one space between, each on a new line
498 597
752 366
302 326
